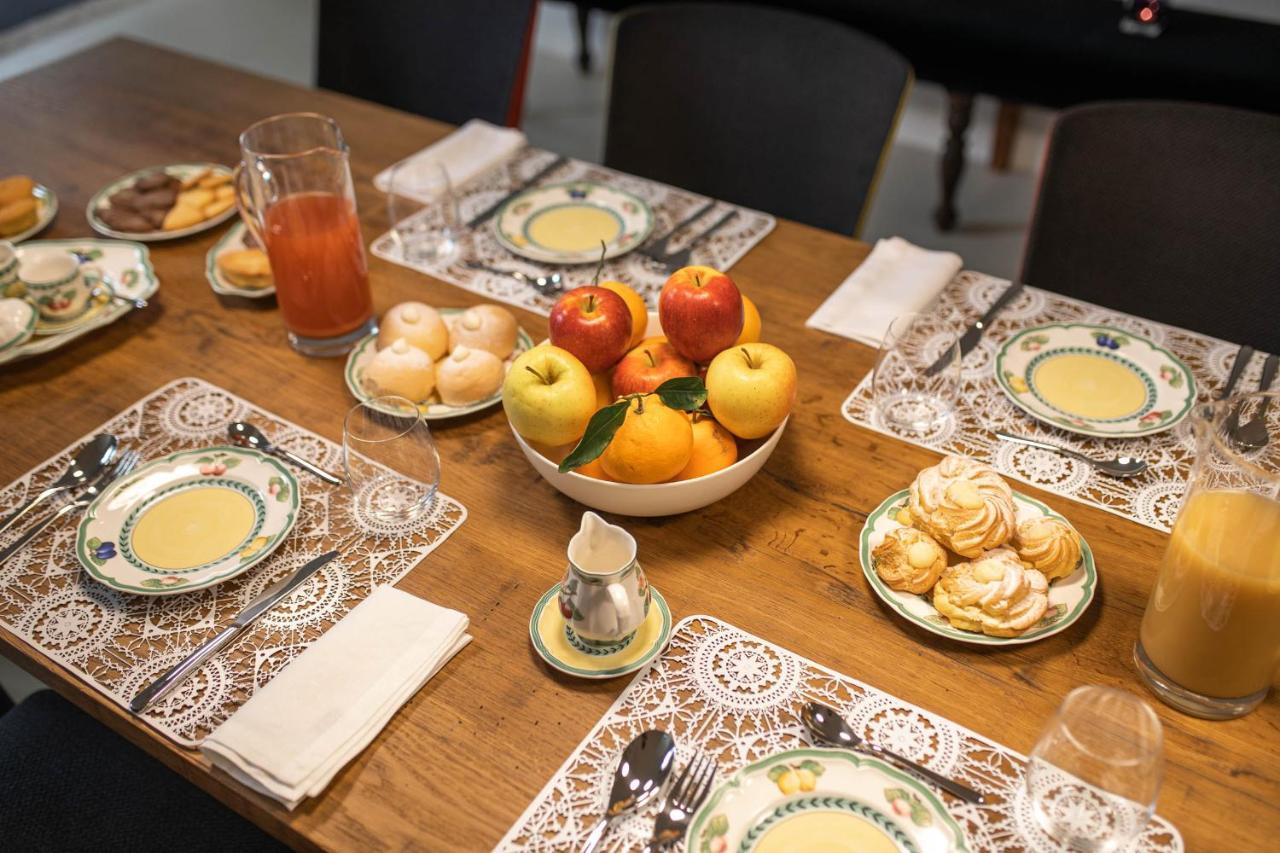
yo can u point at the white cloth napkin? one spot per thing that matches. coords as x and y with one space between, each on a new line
294 735
896 278
465 153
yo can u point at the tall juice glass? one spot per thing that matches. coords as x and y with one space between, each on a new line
295 194
1210 638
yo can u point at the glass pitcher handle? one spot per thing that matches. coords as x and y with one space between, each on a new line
244 203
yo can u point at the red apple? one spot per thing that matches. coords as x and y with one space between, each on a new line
592 323
701 312
651 363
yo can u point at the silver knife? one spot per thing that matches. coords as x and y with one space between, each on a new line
180 673
524 185
974 333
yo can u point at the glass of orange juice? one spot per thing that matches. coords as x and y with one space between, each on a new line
295 195
1209 644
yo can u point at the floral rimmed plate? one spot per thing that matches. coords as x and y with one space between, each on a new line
566 653
126 265
1095 380
823 799
236 238
46 210
188 521
181 171
432 409
1068 597
565 223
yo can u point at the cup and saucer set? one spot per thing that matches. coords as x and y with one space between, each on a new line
604 619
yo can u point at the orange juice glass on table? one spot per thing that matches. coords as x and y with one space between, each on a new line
1210 638
295 195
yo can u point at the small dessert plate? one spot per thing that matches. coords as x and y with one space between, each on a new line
1095 380
17 323
236 238
46 210
188 521
561 650
432 409
566 223
824 799
1068 597
181 171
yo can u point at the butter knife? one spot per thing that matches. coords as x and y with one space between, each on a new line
524 185
159 688
974 333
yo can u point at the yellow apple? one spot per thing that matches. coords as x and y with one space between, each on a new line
548 396
751 389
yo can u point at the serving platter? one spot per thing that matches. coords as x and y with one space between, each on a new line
181 171
565 223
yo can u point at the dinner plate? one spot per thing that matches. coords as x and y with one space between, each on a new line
823 799
432 409
46 210
565 223
188 521
1068 597
1095 380
181 171
237 237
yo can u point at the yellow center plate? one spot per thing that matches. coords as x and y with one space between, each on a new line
194 527
566 223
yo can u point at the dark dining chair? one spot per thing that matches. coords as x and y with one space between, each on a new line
1165 210
67 782
768 108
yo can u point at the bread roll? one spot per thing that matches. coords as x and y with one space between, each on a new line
419 325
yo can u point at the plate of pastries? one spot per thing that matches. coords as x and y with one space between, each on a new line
238 266
448 361
164 202
962 555
25 207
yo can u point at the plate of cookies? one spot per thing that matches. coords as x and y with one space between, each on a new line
962 555
238 266
449 361
25 208
164 203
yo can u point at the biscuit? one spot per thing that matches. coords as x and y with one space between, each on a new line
246 268
15 188
909 560
217 206
182 216
964 504
195 198
195 179
17 216
215 180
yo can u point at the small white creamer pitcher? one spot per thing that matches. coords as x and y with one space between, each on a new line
604 596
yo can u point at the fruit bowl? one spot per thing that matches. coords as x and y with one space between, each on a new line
660 498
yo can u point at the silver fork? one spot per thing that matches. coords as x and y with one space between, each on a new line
680 258
682 800
124 464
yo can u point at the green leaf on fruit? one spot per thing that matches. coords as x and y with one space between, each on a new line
813 767
600 431
686 393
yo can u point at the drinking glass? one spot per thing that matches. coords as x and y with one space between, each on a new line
295 196
1210 636
1093 776
391 461
423 211
907 396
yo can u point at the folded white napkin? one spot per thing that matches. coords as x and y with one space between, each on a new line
896 278
293 736
465 153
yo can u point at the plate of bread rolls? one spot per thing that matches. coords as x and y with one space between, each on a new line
962 555
449 361
164 202
25 208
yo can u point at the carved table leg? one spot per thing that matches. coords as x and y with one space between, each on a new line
959 111
584 49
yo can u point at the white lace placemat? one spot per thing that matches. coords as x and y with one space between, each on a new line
670 205
719 689
1152 498
118 643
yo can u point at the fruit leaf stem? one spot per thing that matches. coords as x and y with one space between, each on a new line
600 431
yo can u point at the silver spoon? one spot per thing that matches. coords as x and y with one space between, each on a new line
91 459
541 283
248 435
829 727
115 297
642 769
1121 466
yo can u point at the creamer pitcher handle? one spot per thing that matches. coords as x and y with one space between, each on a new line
621 605
244 203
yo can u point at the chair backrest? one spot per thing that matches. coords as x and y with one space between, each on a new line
772 109
1165 210
447 61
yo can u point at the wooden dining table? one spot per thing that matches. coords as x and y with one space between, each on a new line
779 558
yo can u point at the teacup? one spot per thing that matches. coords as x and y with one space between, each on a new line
57 283
8 266
604 597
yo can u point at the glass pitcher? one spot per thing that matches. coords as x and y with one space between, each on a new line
1210 638
295 195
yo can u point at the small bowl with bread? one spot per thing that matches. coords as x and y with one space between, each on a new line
238 266
164 202
26 207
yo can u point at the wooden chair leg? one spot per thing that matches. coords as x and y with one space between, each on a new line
1006 133
959 112
584 47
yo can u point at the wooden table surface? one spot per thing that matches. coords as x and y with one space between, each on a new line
459 763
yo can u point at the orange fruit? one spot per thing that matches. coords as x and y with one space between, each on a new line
750 323
635 304
604 394
713 449
593 469
653 444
